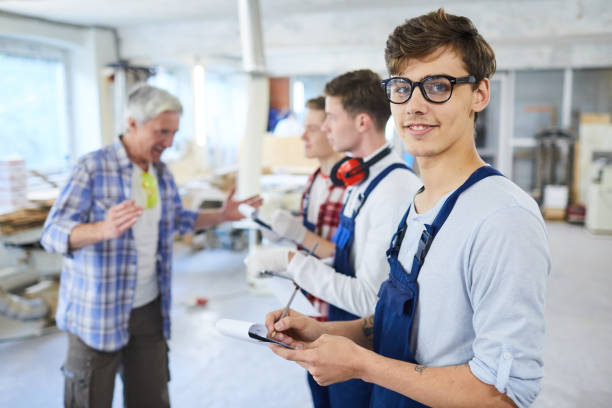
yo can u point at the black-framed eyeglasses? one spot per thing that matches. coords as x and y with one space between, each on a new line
435 88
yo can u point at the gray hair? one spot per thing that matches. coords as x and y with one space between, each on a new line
145 102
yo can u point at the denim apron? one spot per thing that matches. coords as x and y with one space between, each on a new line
306 202
320 394
398 296
352 393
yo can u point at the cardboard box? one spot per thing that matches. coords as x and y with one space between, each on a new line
553 214
595 118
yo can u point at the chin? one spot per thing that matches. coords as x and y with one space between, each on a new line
419 150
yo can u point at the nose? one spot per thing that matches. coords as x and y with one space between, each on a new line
417 104
304 135
325 126
168 141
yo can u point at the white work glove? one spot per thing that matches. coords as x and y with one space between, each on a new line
268 259
288 226
270 235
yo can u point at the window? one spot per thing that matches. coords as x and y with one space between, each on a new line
34 105
538 98
225 116
537 106
592 91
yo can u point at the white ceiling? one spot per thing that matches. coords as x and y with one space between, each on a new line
122 13
310 36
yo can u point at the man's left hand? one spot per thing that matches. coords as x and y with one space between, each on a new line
230 207
330 359
271 259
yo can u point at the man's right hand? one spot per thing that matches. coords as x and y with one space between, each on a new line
288 226
120 218
295 329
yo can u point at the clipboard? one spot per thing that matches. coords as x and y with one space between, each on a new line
246 331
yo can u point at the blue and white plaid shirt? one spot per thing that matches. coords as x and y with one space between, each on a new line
98 281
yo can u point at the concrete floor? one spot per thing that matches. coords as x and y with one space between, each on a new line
209 370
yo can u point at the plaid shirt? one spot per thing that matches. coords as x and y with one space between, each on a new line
98 281
330 208
326 223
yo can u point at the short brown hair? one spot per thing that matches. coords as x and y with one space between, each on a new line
360 92
420 36
317 103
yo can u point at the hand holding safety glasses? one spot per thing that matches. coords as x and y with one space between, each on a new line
435 88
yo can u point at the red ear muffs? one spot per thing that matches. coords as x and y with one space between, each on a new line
349 171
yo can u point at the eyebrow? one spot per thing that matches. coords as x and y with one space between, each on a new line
429 76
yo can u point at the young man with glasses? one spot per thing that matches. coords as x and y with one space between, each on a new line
357 113
460 321
114 222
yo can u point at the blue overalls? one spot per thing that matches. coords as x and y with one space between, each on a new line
320 395
306 202
398 296
352 393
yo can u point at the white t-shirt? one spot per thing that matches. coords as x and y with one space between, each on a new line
374 227
146 231
482 287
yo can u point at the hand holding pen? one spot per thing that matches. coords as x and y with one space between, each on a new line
286 310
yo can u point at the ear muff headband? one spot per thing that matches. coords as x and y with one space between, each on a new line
350 171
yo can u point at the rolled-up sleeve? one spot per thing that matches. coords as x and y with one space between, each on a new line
69 210
508 273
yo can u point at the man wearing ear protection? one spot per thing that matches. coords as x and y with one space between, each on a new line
379 182
321 202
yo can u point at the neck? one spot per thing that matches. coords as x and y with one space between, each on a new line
326 163
444 173
370 142
131 151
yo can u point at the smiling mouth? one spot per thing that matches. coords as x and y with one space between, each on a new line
419 127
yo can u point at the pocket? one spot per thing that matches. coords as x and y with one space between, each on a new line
77 386
100 208
104 204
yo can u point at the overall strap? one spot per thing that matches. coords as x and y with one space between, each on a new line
398 236
375 182
306 194
430 232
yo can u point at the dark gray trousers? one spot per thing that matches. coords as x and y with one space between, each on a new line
143 365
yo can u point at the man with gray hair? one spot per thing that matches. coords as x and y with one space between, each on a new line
114 223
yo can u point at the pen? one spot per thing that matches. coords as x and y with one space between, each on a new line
265 273
289 302
286 310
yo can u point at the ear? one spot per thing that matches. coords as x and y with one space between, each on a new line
132 124
481 95
362 121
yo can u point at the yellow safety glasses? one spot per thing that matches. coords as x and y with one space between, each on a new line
149 184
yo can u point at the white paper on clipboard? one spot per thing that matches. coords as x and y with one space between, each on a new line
283 289
247 331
